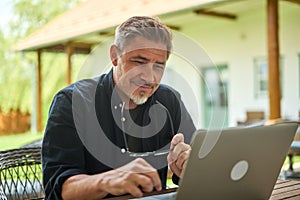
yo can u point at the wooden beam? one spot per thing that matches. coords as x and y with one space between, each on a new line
82 50
173 27
273 60
39 91
69 51
80 44
294 1
78 48
55 49
106 33
216 14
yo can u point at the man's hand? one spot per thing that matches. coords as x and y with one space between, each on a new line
179 153
134 178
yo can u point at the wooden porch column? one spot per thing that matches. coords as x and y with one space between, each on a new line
273 60
69 50
39 91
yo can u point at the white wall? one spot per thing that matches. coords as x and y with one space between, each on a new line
238 42
290 48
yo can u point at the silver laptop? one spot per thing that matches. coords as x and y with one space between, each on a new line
237 163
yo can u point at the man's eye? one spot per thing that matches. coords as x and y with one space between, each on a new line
158 66
140 62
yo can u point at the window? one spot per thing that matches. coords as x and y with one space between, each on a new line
261 77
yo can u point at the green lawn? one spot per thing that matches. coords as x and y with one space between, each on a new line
12 141
296 160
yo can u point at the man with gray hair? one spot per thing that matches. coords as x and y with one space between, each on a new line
142 127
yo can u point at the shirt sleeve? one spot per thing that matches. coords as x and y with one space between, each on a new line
61 147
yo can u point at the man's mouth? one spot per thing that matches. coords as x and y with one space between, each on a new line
144 86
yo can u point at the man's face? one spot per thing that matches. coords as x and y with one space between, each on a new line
139 68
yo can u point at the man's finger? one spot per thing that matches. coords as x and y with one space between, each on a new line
134 190
153 175
182 159
147 170
179 137
177 151
145 183
175 169
181 147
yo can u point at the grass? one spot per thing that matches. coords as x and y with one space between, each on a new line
170 183
296 160
12 141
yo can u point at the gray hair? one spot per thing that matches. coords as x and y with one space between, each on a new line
147 27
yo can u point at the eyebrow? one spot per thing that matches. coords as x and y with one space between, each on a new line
146 59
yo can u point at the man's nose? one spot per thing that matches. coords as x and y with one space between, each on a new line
148 73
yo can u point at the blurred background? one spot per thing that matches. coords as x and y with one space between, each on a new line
45 43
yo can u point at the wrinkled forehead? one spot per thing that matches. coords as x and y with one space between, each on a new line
143 44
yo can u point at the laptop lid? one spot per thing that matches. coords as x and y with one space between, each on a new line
237 163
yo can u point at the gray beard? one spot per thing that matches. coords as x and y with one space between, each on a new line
139 100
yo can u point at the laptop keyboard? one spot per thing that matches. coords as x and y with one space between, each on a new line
168 196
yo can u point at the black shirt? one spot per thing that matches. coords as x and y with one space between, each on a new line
85 135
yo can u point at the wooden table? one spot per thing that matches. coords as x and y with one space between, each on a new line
284 189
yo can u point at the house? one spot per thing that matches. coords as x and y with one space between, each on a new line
220 60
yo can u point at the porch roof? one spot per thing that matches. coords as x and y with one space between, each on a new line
93 20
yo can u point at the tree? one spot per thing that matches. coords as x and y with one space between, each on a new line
17 69
35 13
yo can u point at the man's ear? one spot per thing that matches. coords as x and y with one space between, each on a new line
114 55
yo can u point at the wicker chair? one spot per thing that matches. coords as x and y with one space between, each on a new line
21 173
2 195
